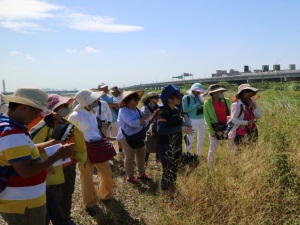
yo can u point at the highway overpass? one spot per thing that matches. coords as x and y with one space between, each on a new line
271 76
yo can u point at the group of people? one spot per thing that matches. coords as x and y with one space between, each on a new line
34 191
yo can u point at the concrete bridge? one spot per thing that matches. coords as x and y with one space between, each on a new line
272 76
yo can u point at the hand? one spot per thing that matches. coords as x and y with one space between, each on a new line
64 151
145 116
250 122
143 122
51 170
252 105
187 130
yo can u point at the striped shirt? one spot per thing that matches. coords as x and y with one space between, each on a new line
16 146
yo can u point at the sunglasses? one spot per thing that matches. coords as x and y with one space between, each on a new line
155 97
176 95
137 99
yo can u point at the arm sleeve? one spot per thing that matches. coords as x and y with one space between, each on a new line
163 130
107 111
80 153
257 112
74 119
235 112
126 117
207 119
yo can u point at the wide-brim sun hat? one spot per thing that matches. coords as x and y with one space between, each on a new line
215 88
29 96
55 100
126 94
197 87
86 97
243 87
167 92
149 95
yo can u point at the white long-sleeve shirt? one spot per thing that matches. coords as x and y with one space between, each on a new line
86 121
105 115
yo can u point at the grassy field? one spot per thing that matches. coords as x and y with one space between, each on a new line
255 186
260 185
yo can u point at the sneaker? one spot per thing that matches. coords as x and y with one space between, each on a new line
92 211
132 180
144 177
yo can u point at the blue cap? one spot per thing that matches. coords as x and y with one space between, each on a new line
197 87
167 92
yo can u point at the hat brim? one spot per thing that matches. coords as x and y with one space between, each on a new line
219 89
93 97
24 101
139 92
147 97
235 99
199 90
255 90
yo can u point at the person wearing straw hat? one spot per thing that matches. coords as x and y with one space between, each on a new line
23 200
169 142
150 106
193 107
216 111
61 181
84 118
244 113
133 123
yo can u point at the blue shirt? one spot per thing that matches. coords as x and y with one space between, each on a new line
191 109
111 99
129 121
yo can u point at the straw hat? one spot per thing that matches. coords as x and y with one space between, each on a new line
215 88
149 95
126 94
28 96
55 100
86 97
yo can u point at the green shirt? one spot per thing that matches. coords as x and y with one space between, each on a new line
210 116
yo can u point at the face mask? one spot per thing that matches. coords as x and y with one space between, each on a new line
221 95
63 112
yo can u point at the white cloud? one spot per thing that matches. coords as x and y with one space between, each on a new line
85 22
29 9
15 53
90 50
32 15
30 58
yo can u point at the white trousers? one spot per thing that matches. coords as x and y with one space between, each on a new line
213 146
198 126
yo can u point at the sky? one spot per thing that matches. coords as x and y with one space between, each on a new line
70 44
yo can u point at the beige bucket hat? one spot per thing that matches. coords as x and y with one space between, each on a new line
86 97
126 94
149 95
28 96
243 87
215 88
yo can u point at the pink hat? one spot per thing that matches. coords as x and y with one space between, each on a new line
55 100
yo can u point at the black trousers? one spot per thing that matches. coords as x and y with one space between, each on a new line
170 159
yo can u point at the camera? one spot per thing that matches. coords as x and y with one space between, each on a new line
199 110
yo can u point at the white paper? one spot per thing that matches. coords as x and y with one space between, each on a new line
51 150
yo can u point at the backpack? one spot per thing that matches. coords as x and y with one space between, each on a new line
152 135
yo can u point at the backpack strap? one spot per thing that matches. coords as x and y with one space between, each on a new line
99 104
241 110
